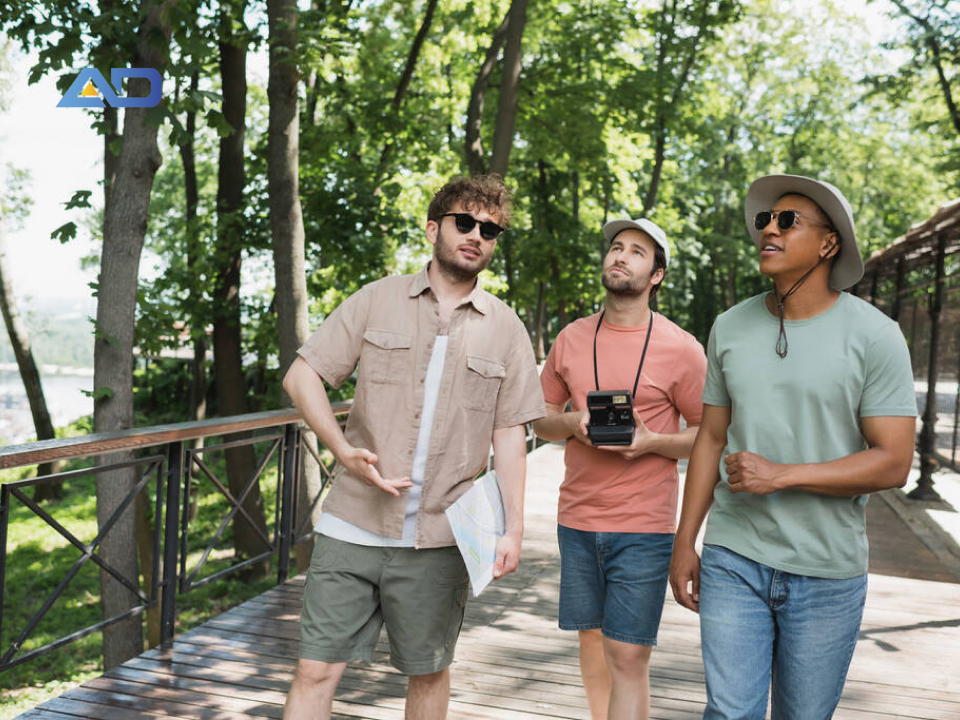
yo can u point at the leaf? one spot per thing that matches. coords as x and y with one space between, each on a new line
65 233
80 199
99 393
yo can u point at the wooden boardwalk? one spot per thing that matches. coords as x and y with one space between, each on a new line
512 661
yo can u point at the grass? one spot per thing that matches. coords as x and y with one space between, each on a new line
38 558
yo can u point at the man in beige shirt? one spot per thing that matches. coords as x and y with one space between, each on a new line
443 369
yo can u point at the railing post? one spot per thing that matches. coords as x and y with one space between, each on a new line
288 480
928 433
171 542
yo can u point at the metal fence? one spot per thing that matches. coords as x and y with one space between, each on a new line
916 281
167 472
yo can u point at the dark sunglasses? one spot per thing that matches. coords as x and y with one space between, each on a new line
786 219
466 222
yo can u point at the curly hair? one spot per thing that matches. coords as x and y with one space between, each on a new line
472 193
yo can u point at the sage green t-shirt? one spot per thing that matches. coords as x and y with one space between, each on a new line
844 364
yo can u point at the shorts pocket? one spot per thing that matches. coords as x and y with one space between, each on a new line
326 552
385 357
449 569
482 384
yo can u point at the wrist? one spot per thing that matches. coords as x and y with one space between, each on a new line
784 477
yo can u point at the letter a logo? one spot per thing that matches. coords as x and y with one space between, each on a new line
90 84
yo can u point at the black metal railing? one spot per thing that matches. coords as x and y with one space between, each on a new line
166 474
168 467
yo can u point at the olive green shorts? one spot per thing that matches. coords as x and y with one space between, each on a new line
352 591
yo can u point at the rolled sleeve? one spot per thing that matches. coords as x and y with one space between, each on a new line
520 399
333 349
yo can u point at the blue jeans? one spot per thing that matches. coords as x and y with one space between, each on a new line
760 625
614 581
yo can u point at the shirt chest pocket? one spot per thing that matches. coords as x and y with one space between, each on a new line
386 356
482 384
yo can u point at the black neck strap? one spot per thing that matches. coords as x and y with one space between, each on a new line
646 344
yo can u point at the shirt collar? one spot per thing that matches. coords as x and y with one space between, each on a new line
477 297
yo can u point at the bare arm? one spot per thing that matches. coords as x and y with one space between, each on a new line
305 387
560 425
510 464
703 474
884 464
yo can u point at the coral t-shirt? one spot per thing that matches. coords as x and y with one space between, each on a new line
602 491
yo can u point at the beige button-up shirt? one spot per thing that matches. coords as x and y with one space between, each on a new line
489 381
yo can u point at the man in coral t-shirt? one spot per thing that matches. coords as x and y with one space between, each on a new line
618 503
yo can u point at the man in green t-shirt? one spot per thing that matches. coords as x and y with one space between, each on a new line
808 407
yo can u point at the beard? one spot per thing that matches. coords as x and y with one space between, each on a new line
455 267
629 286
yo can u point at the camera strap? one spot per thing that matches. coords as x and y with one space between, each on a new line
646 344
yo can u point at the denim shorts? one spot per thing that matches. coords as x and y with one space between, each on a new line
352 591
764 628
616 582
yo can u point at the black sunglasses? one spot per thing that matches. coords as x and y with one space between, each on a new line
786 219
466 222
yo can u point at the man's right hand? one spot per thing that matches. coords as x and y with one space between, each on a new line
363 464
684 571
578 421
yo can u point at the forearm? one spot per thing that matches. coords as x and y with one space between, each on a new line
510 465
674 445
556 426
864 472
702 477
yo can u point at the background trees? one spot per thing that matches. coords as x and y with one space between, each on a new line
296 150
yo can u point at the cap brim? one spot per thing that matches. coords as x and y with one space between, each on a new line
612 228
764 192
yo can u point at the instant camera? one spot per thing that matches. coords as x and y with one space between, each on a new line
611 417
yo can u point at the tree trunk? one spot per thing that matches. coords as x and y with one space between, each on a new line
538 344
29 374
473 147
509 87
124 227
286 221
933 45
402 86
227 339
198 383
145 535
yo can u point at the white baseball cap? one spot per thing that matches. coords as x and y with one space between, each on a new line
612 228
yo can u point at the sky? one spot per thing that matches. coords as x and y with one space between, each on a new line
63 155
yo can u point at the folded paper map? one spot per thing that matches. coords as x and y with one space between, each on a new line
477 521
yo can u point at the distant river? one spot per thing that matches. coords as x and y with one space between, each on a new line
64 398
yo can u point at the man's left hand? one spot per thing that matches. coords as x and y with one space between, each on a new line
641 444
508 555
752 473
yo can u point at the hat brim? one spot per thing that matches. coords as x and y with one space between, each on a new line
764 192
612 228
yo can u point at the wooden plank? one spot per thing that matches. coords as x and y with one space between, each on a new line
514 663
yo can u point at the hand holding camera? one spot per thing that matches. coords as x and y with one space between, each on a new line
611 417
